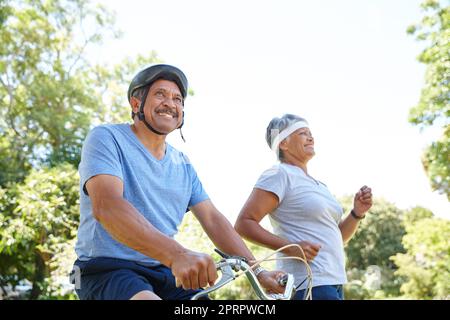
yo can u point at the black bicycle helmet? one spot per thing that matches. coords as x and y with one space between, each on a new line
156 72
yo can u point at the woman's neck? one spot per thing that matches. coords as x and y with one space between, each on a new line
298 163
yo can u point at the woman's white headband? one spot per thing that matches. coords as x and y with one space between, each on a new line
280 136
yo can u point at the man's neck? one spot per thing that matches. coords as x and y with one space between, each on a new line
154 143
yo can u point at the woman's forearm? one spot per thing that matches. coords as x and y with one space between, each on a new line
348 228
253 231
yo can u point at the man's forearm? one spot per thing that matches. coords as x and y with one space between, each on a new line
125 224
224 237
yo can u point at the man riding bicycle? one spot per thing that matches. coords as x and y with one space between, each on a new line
134 191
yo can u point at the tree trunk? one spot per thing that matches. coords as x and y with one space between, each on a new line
38 278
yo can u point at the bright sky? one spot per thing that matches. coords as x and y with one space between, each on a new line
347 66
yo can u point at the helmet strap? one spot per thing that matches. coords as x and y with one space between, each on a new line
181 133
181 125
141 115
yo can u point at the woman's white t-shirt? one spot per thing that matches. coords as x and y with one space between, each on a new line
307 211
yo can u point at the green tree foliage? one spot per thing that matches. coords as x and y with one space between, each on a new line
40 217
379 236
426 264
5 11
191 235
47 88
416 214
50 93
434 105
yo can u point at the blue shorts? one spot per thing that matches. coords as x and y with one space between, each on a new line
329 292
117 279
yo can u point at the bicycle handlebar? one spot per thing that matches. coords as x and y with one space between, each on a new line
228 267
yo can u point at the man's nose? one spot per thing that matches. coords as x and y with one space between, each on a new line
168 101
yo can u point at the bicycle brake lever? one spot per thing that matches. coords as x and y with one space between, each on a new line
222 254
227 276
227 256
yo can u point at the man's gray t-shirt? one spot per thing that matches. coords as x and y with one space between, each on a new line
161 190
307 211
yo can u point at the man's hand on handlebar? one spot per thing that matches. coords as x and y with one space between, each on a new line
193 270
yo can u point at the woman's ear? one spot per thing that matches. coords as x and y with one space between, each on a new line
283 145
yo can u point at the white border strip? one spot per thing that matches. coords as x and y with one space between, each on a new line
287 132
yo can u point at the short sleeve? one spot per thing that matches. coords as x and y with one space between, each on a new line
198 194
274 180
99 155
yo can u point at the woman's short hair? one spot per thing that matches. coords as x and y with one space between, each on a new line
277 125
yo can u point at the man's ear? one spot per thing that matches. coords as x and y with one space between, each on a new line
135 103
